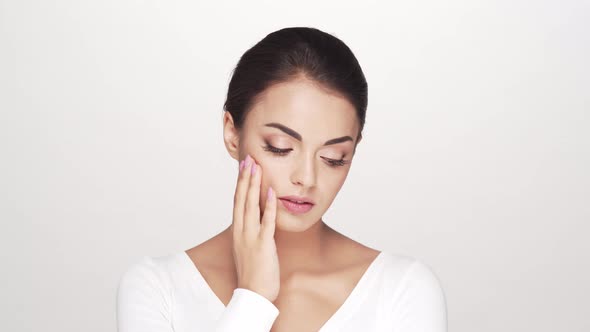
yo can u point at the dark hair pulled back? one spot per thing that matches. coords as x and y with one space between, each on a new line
288 53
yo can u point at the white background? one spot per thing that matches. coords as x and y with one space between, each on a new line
475 154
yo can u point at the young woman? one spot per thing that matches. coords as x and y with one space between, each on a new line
293 118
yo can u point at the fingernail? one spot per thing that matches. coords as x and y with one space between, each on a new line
241 165
253 168
247 161
269 195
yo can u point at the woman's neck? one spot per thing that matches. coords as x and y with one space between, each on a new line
299 251
303 251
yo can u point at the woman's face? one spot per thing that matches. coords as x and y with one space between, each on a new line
303 137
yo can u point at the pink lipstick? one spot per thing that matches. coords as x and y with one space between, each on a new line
297 204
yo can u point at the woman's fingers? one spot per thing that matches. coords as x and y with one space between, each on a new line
252 208
255 256
240 195
267 227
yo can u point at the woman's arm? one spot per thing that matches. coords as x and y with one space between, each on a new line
144 304
143 299
421 305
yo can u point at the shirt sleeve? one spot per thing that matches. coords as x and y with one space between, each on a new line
144 303
247 311
422 304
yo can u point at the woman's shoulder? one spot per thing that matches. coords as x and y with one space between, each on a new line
406 268
155 264
153 272
398 263
407 279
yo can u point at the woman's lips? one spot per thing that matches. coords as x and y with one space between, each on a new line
296 208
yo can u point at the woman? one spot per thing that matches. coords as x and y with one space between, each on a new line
293 118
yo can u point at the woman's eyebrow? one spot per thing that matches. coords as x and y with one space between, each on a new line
297 136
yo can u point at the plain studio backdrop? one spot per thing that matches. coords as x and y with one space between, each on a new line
475 154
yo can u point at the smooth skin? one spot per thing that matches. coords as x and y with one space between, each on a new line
298 262
254 248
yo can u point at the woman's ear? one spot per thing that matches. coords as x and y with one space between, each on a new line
231 137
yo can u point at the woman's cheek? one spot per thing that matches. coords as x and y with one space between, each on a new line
266 180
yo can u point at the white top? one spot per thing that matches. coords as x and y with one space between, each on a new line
168 293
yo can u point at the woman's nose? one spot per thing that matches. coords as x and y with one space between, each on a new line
304 173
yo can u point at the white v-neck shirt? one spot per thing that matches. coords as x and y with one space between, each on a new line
168 293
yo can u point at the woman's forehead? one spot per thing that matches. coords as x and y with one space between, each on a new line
304 106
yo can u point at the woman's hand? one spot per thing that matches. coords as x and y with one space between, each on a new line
254 249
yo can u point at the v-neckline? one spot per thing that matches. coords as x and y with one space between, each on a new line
347 305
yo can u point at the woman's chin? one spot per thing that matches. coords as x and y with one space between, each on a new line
287 222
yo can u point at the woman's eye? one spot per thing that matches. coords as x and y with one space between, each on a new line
280 152
284 152
336 163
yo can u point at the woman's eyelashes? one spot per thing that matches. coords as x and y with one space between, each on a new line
284 152
333 162
280 152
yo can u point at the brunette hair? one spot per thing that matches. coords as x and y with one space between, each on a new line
288 53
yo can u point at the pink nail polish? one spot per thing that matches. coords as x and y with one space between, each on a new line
247 161
253 168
